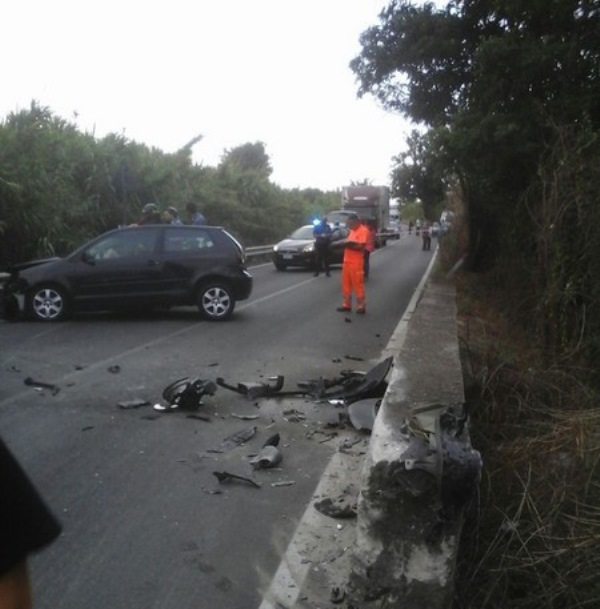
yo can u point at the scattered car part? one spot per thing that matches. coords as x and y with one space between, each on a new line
244 417
114 369
363 412
272 440
238 438
225 476
338 595
187 394
360 386
283 483
329 508
41 385
269 456
129 404
254 390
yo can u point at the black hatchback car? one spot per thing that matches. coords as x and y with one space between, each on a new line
135 267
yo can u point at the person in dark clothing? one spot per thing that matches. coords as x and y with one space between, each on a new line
150 214
322 233
26 526
195 217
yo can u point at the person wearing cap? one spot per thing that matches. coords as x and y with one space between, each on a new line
353 280
171 216
150 214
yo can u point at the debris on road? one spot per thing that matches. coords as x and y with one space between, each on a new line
362 413
136 403
269 456
186 394
114 369
328 507
272 440
200 417
293 416
253 390
54 389
227 476
283 483
244 417
239 437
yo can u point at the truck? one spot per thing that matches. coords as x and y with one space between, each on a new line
371 203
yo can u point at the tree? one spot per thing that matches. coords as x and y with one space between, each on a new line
248 157
498 76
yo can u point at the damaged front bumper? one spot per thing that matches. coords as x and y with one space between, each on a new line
12 297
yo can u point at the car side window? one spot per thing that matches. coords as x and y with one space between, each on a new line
128 244
188 241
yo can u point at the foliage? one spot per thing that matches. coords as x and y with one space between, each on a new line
60 187
507 94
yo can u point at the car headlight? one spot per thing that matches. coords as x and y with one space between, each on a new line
309 248
275 248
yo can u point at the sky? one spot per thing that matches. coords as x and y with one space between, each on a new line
235 71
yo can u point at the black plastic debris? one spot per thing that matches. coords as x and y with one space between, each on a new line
363 412
41 385
338 595
130 404
272 440
254 390
355 358
240 437
114 369
186 394
354 387
328 507
269 456
227 477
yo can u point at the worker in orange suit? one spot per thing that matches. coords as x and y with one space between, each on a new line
353 280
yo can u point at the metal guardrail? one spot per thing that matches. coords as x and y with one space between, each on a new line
258 250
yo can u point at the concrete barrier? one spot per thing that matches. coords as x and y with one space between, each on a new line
420 470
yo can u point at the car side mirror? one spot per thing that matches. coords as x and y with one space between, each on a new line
88 258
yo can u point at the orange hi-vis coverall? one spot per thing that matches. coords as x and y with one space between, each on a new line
353 279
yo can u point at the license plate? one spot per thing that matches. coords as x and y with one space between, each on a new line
288 256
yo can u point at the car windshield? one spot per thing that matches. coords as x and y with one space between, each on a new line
304 232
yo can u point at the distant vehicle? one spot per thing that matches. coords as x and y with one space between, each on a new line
435 229
371 203
392 230
298 249
135 267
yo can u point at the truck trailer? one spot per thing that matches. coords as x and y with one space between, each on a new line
371 203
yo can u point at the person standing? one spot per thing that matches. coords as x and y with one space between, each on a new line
150 214
196 217
353 266
26 526
322 233
369 247
426 236
171 216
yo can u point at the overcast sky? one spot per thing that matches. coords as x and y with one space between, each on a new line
237 71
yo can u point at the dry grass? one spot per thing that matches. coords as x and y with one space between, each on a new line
532 538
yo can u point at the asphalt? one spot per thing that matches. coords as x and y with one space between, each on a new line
316 567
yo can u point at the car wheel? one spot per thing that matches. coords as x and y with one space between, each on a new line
280 266
216 301
48 303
